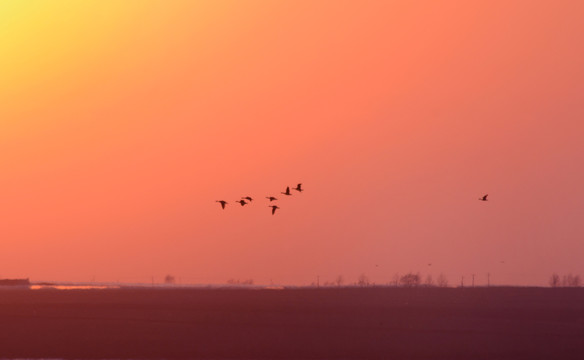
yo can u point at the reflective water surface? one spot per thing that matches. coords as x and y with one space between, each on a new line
72 287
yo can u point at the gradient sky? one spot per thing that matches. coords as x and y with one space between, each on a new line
121 123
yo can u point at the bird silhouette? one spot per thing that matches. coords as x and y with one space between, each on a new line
287 191
299 188
242 202
274 207
222 202
248 198
271 198
484 198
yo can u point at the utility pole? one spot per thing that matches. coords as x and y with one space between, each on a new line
488 279
462 281
473 280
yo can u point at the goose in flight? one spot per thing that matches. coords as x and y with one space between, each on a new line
271 198
299 188
274 207
248 198
484 198
242 202
287 191
222 202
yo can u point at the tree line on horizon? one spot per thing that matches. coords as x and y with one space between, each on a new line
568 280
410 279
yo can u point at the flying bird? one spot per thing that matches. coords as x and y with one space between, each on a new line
242 202
299 188
274 207
271 198
222 202
287 191
484 198
248 198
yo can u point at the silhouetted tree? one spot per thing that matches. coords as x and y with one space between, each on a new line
442 281
555 280
429 281
410 280
169 279
339 280
395 280
363 280
571 280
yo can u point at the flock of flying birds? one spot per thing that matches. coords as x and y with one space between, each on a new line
248 199
298 188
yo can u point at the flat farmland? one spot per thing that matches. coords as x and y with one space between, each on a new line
305 323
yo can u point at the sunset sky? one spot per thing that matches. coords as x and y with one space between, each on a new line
121 123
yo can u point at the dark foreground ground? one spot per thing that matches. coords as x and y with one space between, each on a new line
381 323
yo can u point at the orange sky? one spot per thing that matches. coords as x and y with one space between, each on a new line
121 123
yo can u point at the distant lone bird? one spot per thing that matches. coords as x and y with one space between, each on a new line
222 202
271 198
484 198
299 188
287 191
248 198
274 207
242 202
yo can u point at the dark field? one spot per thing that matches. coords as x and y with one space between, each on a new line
351 323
